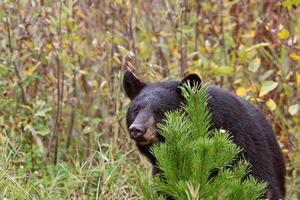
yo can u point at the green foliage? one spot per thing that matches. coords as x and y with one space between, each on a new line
191 153
288 3
96 178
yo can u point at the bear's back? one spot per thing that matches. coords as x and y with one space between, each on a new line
252 133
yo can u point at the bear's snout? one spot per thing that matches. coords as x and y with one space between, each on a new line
143 131
137 131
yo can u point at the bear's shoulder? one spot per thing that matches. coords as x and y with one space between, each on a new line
224 100
231 110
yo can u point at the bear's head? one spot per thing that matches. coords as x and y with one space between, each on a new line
149 103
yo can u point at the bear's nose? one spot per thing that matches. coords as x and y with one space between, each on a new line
137 130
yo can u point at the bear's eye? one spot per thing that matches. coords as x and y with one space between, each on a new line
136 110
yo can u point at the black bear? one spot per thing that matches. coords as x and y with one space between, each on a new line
244 121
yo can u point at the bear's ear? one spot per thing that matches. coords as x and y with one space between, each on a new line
132 85
193 80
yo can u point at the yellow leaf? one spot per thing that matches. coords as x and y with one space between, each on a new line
65 46
241 91
250 34
271 104
174 49
153 38
49 46
283 34
164 34
281 137
209 49
29 71
298 79
295 56
202 50
253 88
28 43
279 72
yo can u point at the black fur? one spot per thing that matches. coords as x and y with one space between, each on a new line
244 121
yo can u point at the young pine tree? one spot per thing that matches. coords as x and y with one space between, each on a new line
197 163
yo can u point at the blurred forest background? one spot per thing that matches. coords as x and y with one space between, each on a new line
62 106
